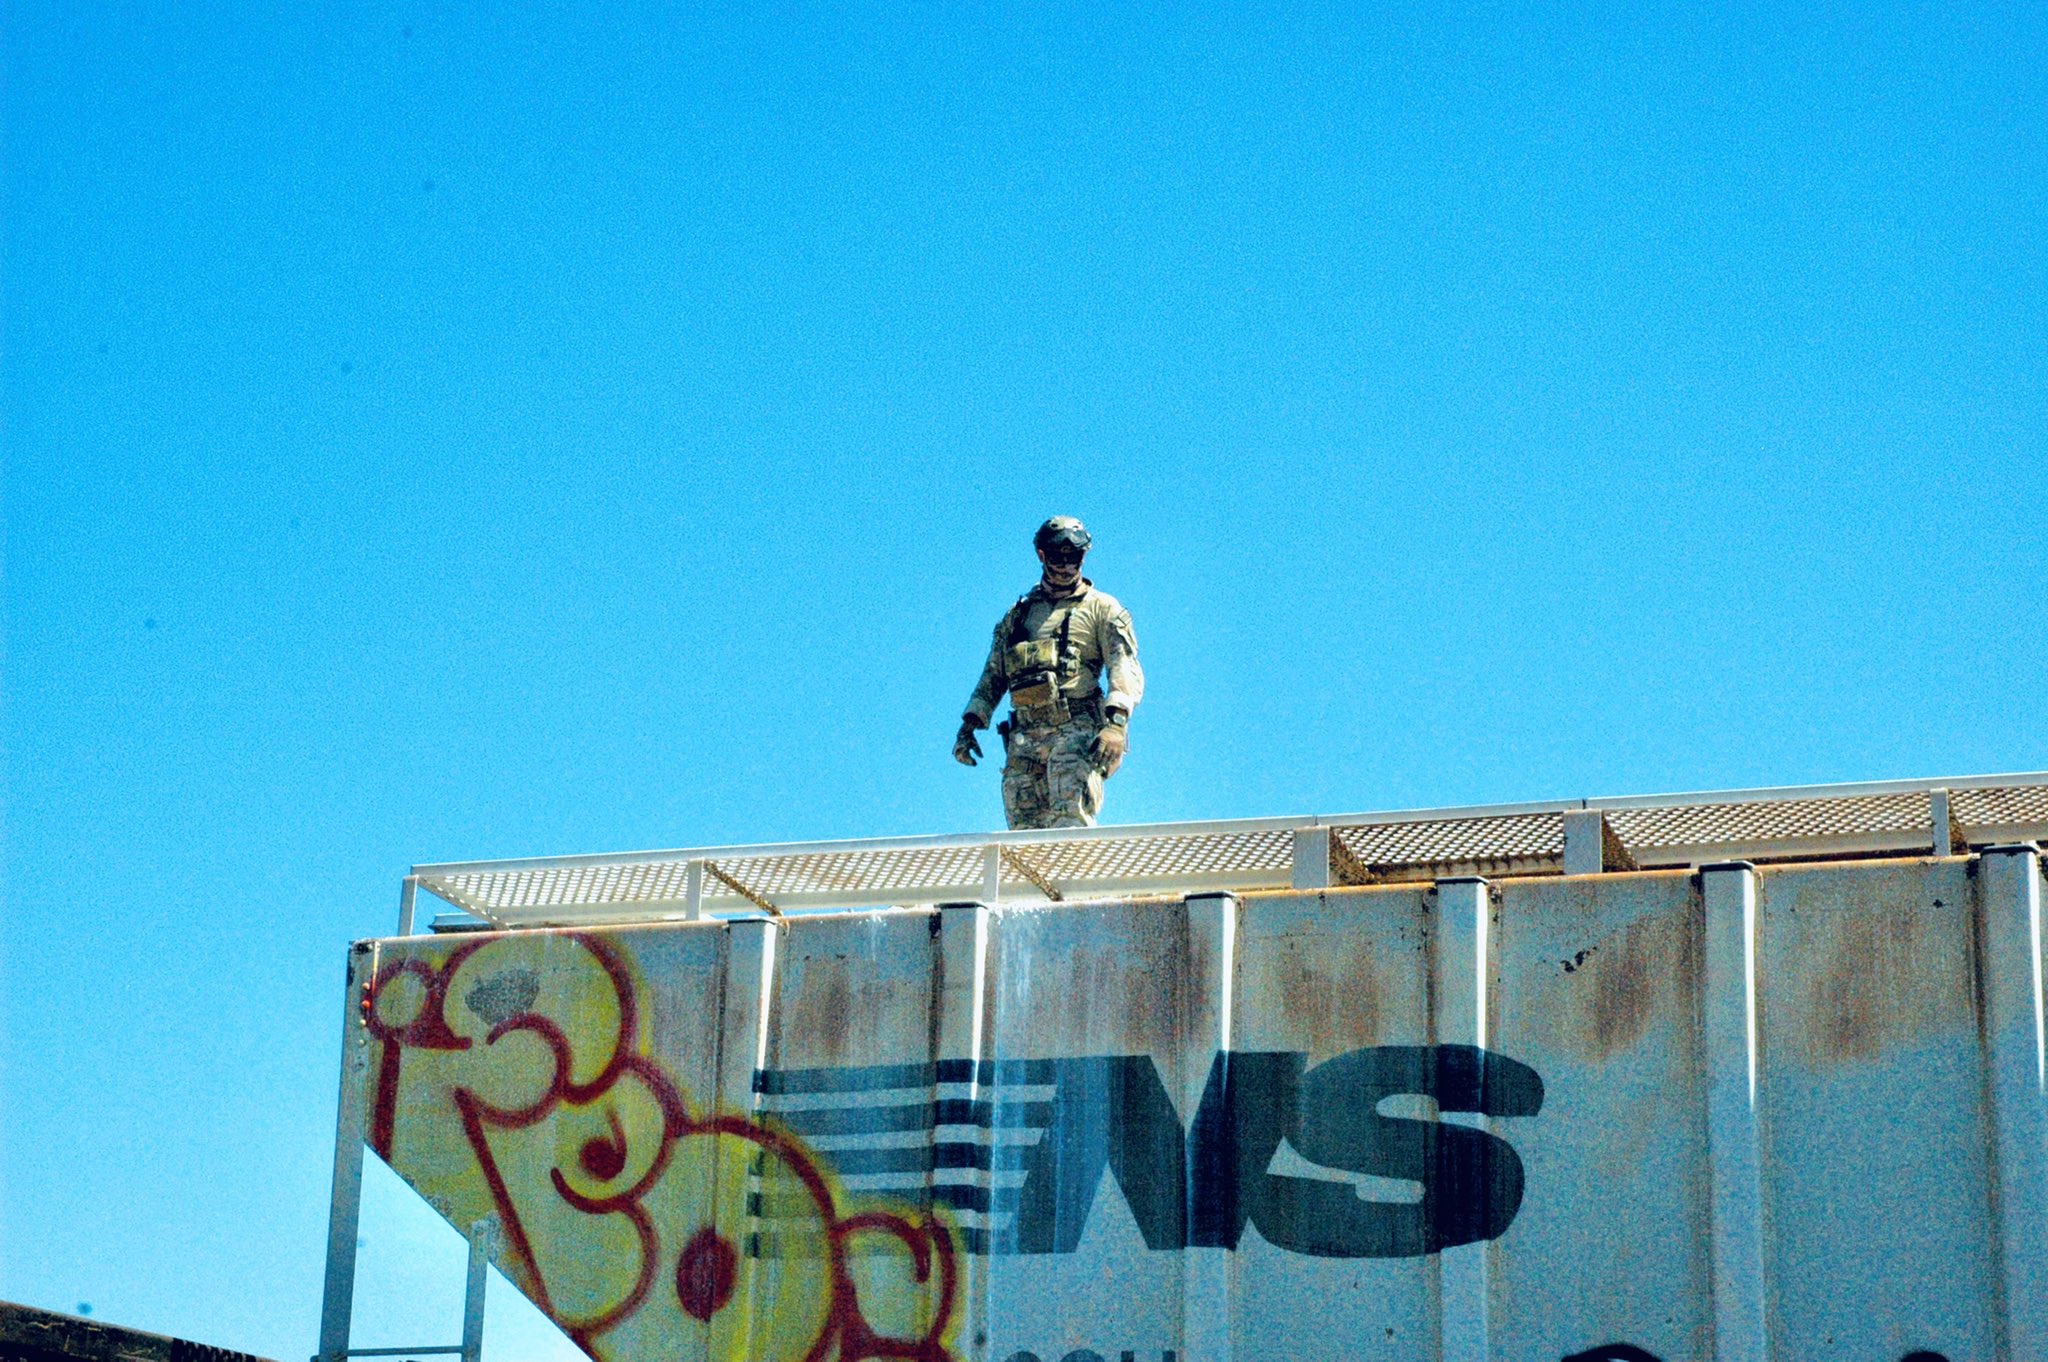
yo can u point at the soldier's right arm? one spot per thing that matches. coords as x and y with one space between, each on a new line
988 692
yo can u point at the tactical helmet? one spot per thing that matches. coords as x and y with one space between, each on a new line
1061 529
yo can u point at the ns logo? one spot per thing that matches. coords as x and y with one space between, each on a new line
1019 1147
1200 1187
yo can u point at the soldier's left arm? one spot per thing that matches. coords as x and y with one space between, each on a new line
1119 644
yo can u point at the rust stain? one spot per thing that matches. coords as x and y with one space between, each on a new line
1627 974
817 1020
1334 1002
1330 972
1598 971
1115 988
1304 993
1195 982
1853 1004
837 1007
1883 971
1153 1000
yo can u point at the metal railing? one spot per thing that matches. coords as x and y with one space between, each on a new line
1568 836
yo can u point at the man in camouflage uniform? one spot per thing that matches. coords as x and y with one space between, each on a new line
1064 737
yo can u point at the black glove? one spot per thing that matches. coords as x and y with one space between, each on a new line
965 748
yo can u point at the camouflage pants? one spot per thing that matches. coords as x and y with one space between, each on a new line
1050 777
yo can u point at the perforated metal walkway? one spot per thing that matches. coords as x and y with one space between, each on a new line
1572 836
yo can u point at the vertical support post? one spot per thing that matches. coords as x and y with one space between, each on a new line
992 875
960 1074
2016 1020
1463 966
745 1026
1312 858
749 998
1938 821
693 891
345 1201
407 893
1212 934
1734 1129
480 1236
963 982
1585 843
1206 1306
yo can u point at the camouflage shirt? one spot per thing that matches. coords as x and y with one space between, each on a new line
1099 639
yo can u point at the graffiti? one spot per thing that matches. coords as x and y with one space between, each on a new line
1070 1120
514 1079
1629 1352
518 1080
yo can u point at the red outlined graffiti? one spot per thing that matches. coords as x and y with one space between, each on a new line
707 1258
428 1030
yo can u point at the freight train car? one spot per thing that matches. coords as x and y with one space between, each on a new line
1757 1075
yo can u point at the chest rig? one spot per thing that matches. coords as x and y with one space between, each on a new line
1037 668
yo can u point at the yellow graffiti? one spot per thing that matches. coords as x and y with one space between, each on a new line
515 1081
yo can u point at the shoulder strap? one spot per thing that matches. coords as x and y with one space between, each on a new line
1021 611
1014 621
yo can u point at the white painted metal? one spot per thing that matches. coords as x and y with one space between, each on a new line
963 970
1734 1140
1773 794
476 1282
1801 822
2016 1016
1938 815
992 875
749 997
961 1032
1597 989
1761 795
1584 843
1463 964
1877 1138
1206 1286
973 840
408 891
344 1207
1311 858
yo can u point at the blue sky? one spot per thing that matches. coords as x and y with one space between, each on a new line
451 433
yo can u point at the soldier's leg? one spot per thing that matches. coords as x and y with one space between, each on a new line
1073 780
1026 802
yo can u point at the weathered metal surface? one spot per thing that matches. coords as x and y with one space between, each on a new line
1795 1112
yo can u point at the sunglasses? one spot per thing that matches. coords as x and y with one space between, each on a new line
1064 555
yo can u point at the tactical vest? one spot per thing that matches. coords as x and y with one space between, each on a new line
1037 669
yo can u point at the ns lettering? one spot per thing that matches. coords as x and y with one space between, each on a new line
1199 1187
